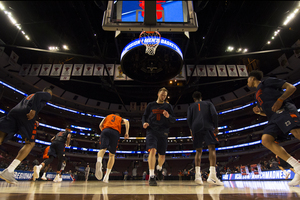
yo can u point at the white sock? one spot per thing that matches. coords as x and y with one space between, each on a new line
13 165
212 171
197 169
99 159
106 177
294 163
44 174
151 171
158 167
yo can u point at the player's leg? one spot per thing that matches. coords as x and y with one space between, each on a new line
151 146
104 144
211 140
198 139
2 136
60 160
162 146
110 164
45 172
198 155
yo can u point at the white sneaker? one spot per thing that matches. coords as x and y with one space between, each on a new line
214 181
36 172
44 178
295 181
98 172
105 181
56 179
199 181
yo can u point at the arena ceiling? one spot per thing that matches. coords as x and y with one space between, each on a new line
241 24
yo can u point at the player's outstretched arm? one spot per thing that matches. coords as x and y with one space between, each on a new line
68 140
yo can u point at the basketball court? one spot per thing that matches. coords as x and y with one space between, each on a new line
140 190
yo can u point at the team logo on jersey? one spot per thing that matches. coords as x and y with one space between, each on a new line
287 123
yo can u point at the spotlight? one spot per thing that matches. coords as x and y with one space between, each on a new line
65 47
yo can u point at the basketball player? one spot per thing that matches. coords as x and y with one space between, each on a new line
202 119
156 120
45 156
110 128
87 172
57 149
22 118
282 115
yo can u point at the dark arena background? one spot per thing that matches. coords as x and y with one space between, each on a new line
90 53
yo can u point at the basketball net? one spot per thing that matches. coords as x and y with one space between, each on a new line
151 40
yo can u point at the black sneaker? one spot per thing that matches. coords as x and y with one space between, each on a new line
152 182
159 175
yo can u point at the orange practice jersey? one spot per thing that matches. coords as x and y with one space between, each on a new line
45 155
113 121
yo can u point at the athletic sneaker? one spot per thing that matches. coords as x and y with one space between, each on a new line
199 181
44 178
160 175
214 181
98 172
8 176
152 181
295 181
105 181
36 172
56 179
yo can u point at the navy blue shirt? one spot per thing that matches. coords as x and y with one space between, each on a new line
34 101
157 121
202 116
267 93
61 136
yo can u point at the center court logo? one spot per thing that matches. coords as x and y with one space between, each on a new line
287 123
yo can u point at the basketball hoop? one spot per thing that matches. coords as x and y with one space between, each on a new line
151 40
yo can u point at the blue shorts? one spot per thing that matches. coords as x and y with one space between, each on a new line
282 122
156 141
12 125
206 136
109 140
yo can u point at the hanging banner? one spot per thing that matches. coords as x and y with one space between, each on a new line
56 69
24 69
77 70
66 72
181 76
119 75
283 61
132 105
13 59
211 70
45 71
143 106
242 69
296 52
35 69
110 68
189 70
222 70
98 70
88 70
201 70
232 70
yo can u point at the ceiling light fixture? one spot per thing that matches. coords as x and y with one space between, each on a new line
245 50
230 48
2 6
239 50
269 42
52 48
65 47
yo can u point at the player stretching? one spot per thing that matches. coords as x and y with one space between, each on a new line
282 115
156 120
22 118
202 119
110 128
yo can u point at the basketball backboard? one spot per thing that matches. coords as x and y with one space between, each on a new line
171 16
